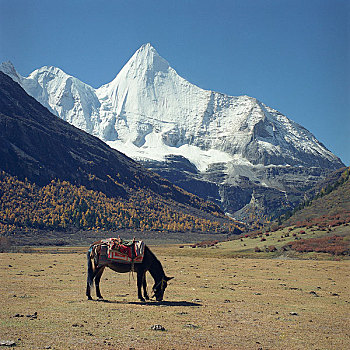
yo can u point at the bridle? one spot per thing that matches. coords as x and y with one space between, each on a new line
161 284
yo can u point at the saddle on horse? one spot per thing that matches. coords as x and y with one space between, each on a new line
121 251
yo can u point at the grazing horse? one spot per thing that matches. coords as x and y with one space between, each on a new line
149 263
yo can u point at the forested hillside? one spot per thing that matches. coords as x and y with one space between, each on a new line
61 206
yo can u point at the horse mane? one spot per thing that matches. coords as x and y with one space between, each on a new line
154 262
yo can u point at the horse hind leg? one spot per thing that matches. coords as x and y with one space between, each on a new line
144 285
97 281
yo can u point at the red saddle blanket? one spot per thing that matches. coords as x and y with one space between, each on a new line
125 251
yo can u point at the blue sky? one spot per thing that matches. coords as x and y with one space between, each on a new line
293 55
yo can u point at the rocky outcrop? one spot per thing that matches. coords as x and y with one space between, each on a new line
247 193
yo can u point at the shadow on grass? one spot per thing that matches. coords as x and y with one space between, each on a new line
165 303
153 303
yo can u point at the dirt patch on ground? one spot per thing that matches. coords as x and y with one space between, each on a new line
212 303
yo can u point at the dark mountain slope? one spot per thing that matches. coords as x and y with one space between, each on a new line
37 145
330 205
329 183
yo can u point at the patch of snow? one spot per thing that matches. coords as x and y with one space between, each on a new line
155 149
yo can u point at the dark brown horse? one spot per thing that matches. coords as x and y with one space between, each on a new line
149 263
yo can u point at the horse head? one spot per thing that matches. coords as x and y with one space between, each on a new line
159 288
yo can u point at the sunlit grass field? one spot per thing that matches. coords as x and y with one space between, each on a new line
245 247
214 302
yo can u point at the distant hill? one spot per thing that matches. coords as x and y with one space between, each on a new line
49 165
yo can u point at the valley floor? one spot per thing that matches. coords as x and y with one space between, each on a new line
216 303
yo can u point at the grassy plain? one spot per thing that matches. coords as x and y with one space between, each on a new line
244 247
214 302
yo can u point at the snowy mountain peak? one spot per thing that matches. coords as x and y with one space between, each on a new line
147 49
144 64
9 69
49 70
147 46
147 57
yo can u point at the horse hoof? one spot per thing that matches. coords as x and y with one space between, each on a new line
89 298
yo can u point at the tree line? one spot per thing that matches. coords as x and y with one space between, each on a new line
61 205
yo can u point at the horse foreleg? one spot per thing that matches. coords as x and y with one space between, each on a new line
140 279
88 291
97 281
90 275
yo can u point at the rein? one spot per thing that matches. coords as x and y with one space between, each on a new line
131 273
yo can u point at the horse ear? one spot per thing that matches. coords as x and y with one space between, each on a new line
168 278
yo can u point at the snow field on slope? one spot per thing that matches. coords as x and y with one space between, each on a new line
155 149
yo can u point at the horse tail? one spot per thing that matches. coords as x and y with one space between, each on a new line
91 266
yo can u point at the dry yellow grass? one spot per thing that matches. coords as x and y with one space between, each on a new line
212 303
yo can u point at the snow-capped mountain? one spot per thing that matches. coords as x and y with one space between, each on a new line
62 94
152 114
